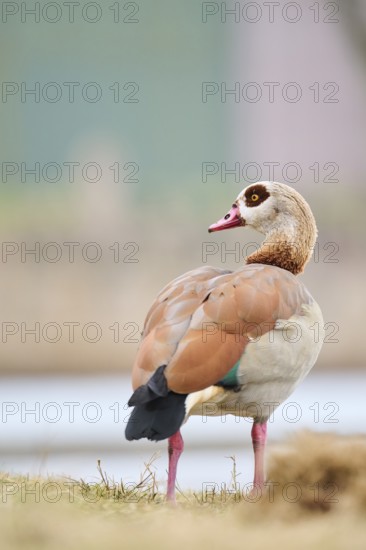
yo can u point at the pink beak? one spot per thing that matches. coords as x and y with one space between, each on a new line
231 219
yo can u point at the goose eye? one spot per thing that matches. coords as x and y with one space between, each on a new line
254 197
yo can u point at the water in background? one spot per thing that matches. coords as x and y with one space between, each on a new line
63 425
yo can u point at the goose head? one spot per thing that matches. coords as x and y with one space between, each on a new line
282 215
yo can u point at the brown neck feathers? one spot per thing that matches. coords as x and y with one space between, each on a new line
282 254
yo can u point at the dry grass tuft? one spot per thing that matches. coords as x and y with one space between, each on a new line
329 471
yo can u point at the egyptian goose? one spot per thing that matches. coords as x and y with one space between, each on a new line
220 342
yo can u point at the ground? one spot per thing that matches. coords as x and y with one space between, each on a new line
315 498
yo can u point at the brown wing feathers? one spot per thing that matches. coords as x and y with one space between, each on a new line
200 323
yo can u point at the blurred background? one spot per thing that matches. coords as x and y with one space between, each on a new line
128 128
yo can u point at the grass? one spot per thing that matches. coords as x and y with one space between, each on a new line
315 498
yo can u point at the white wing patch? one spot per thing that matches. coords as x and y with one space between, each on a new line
272 365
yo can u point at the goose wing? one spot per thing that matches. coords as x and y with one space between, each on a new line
201 322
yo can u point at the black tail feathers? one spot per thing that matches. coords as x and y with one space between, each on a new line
156 387
157 419
158 412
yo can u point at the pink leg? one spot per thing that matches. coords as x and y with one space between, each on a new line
175 449
259 436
